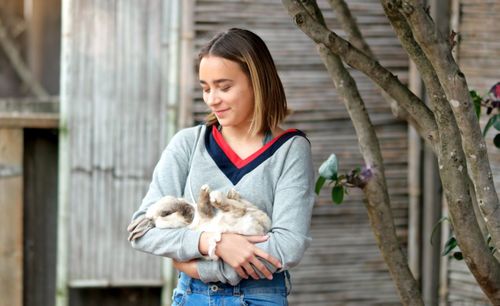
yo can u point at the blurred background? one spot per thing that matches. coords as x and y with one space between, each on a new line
92 90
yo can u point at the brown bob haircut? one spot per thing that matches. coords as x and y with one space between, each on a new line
251 53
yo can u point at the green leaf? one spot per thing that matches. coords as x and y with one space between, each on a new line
476 99
449 246
434 229
458 255
497 122
329 167
338 194
319 184
496 141
494 120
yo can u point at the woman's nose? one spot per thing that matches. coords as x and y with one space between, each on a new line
212 98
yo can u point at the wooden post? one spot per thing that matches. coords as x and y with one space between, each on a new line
43 21
62 289
431 257
173 19
414 185
186 71
11 218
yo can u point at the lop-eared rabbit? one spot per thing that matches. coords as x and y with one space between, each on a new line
214 212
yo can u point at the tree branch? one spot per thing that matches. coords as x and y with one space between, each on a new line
350 26
378 202
419 115
378 206
451 159
438 51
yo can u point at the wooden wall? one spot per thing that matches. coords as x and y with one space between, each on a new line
114 126
11 167
43 21
11 13
11 219
479 58
343 265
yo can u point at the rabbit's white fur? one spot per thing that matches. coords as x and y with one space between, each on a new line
214 212
229 213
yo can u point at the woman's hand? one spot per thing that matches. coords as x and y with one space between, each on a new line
188 267
241 253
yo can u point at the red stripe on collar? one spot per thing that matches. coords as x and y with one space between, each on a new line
233 157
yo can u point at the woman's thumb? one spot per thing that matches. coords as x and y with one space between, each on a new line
256 239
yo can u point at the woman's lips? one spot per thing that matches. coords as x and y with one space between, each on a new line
220 112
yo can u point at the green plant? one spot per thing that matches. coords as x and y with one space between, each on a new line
491 102
328 171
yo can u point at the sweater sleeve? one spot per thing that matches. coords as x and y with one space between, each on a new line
291 217
169 178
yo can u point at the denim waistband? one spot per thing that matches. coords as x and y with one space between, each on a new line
278 285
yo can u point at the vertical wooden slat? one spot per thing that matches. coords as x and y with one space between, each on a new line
432 200
43 20
414 185
187 79
11 218
68 81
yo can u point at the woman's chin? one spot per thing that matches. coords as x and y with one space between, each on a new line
224 122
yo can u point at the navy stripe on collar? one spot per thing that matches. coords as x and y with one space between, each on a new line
228 168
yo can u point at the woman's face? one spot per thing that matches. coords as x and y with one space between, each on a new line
227 91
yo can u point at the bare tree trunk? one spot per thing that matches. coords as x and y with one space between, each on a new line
378 205
438 51
443 133
452 165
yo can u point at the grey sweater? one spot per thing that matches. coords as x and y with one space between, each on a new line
278 178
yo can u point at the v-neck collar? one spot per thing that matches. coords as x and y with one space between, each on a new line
237 161
231 164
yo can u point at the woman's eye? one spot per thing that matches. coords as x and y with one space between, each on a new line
206 90
225 88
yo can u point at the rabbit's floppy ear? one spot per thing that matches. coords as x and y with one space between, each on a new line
139 227
134 223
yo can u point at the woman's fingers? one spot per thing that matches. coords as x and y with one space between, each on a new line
250 270
257 239
262 268
271 259
241 272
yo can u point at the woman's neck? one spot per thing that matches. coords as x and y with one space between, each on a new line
242 134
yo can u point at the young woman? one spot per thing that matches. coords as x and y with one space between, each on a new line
240 146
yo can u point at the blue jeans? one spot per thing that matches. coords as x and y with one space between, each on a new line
248 292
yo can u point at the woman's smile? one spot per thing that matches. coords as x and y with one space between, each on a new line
221 112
